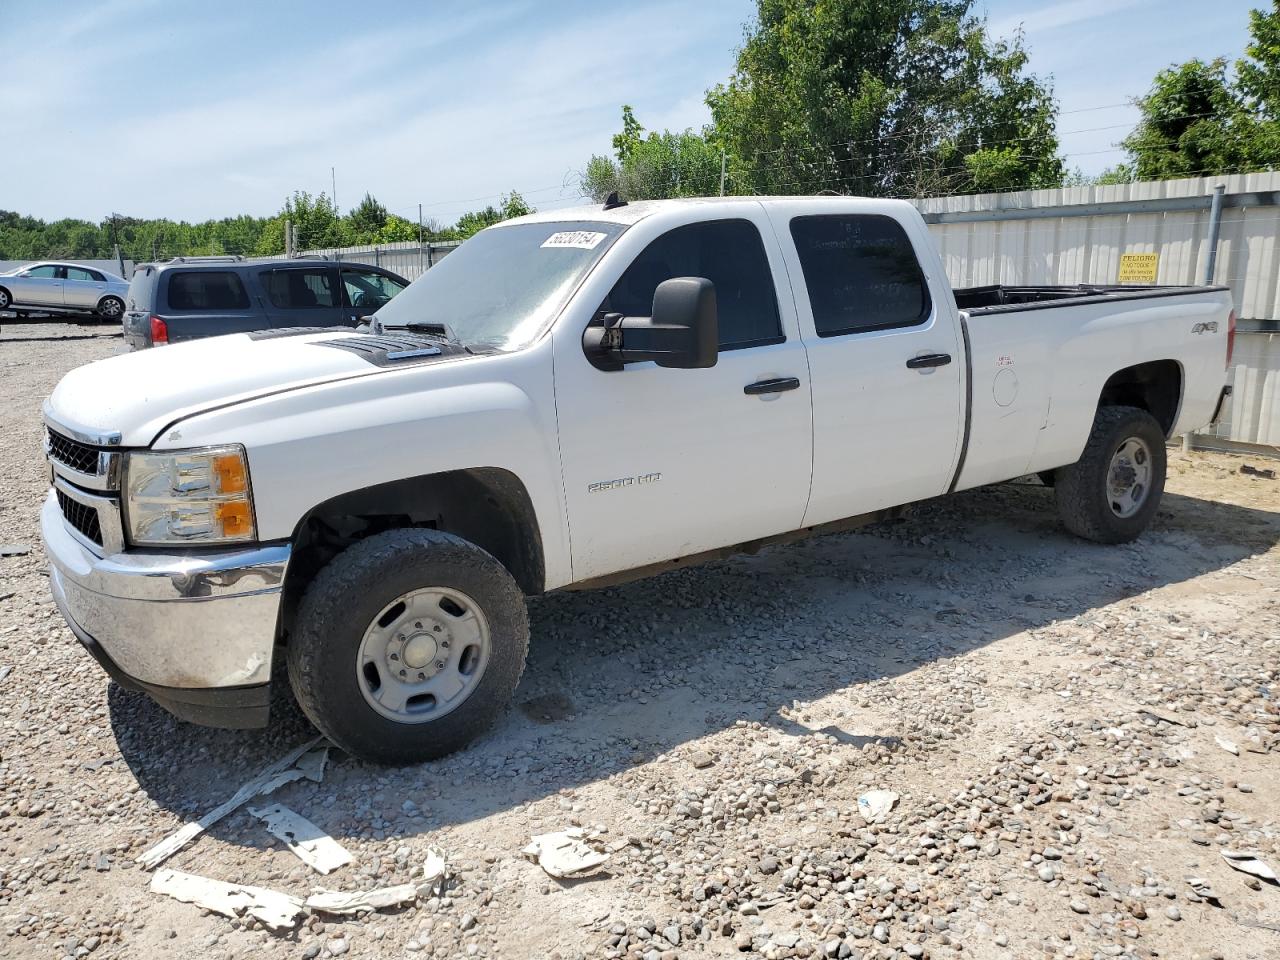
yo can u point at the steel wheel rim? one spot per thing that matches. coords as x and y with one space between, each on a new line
112 308
423 655
1129 477
4 300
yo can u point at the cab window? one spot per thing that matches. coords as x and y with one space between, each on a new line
731 255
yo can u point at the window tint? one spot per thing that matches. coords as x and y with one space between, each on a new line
78 273
300 289
731 255
861 273
46 272
368 290
206 290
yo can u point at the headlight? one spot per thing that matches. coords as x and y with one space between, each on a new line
189 495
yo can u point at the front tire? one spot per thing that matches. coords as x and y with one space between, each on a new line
408 645
6 301
1111 494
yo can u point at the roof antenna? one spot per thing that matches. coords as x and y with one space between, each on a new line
612 201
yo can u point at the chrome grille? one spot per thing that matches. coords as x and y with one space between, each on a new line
78 456
84 518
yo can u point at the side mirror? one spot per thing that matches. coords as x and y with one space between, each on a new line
683 331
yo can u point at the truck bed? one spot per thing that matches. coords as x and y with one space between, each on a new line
998 298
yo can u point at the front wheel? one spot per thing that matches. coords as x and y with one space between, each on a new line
6 301
1111 494
407 645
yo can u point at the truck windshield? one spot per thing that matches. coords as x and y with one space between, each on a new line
503 286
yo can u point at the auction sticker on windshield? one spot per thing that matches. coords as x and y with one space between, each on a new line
577 239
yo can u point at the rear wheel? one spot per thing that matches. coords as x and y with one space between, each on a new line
1111 494
407 645
110 308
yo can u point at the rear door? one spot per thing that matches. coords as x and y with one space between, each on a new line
206 303
885 359
40 286
83 288
138 304
302 296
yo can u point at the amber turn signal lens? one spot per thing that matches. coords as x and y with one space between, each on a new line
229 469
234 517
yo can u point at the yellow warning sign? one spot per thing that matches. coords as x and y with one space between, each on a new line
1139 267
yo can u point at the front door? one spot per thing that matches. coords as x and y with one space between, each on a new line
660 463
886 361
41 286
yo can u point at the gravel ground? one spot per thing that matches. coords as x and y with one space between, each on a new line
1052 715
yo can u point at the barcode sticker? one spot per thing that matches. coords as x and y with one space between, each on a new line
576 239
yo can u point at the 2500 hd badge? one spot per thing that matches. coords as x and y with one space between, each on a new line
623 482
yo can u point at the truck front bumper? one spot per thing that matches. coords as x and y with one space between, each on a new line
195 630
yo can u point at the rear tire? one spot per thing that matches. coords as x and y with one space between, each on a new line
110 309
1111 494
353 636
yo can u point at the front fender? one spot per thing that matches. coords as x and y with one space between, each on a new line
308 446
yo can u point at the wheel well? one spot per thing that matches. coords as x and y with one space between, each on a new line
487 506
1155 387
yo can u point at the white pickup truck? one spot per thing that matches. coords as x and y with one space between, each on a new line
574 398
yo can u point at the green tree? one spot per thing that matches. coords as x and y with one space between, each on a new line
883 97
367 219
658 166
510 205
1204 118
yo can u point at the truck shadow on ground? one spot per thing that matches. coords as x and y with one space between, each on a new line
620 676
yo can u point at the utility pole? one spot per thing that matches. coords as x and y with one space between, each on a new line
1215 223
421 254
333 186
288 239
722 171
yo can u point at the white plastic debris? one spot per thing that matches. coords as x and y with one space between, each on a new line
1249 863
565 855
434 873
361 901
1227 745
876 804
292 766
277 911
312 845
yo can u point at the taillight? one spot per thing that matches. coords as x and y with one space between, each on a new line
1231 337
159 331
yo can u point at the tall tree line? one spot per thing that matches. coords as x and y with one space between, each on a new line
319 224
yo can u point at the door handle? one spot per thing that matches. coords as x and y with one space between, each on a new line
929 360
775 385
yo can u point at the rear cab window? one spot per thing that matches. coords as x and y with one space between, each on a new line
299 289
206 290
861 273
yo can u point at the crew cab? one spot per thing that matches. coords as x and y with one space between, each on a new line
569 399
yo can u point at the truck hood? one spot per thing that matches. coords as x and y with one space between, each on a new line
137 395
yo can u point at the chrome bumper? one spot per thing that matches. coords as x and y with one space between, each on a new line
199 619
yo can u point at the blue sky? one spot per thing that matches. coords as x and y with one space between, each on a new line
189 110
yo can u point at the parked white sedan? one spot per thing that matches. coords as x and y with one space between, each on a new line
62 287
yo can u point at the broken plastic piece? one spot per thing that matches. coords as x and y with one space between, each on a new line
1247 862
361 901
434 873
292 766
277 911
565 855
1227 745
312 845
876 804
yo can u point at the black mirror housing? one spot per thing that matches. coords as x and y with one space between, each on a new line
682 333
